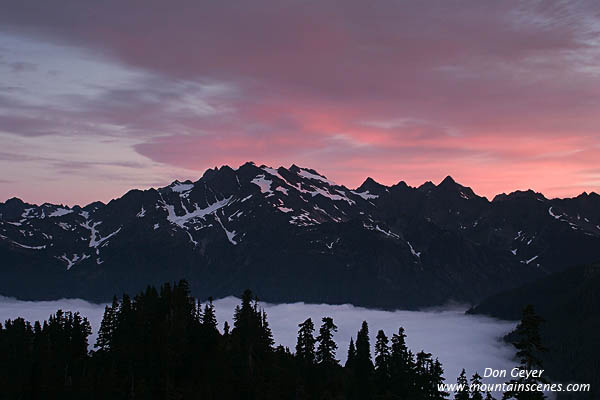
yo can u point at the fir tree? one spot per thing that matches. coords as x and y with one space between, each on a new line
529 346
305 346
363 348
107 327
327 347
226 328
402 366
475 387
429 375
266 335
437 379
382 362
363 366
209 319
351 357
462 392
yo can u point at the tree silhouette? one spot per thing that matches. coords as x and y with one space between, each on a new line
327 347
305 346
528 346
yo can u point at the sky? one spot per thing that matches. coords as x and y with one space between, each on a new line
458 340
97 98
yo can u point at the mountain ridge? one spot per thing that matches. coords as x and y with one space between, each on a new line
369 181
293 235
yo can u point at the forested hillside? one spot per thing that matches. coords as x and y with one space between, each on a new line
569 301
162 344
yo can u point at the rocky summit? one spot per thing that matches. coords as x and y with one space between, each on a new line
291 234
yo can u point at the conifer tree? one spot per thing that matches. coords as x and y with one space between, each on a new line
226 328
245 314
327 347
429 375
462 392
209 319
382 362
528 346
363 348
475 390
382 352
351 357
402 366
266 335
305 346
437 379
363 366
245 322
107 327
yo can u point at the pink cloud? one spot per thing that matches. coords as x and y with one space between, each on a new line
500 95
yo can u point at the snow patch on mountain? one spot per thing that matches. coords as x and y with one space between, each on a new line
365 195
274 172
64 226
554 215
75 259
263 183
59 212
303 219
282 190
530 260
26 213
181 220
336 197
309 175
412 250
230 234
30 247
377 228
95 239
23 245
181 187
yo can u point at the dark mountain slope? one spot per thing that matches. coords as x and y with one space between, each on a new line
293 235
569 301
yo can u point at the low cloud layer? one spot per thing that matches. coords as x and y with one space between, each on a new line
458 340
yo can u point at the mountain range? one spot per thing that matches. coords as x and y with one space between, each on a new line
291 234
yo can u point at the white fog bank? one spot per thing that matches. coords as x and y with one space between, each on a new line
458 340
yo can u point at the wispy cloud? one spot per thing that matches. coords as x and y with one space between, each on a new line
501 95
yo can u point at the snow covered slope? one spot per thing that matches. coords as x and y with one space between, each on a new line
292 234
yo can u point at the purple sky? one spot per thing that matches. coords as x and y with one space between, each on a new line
100 97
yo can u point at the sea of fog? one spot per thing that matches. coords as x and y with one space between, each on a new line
458 340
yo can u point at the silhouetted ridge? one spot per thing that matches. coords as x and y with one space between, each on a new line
519 194
291 234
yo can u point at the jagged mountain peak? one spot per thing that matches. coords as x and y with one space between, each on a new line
448 181
280 227
427 186
14 201
371 185
520 194
449 185
586 195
